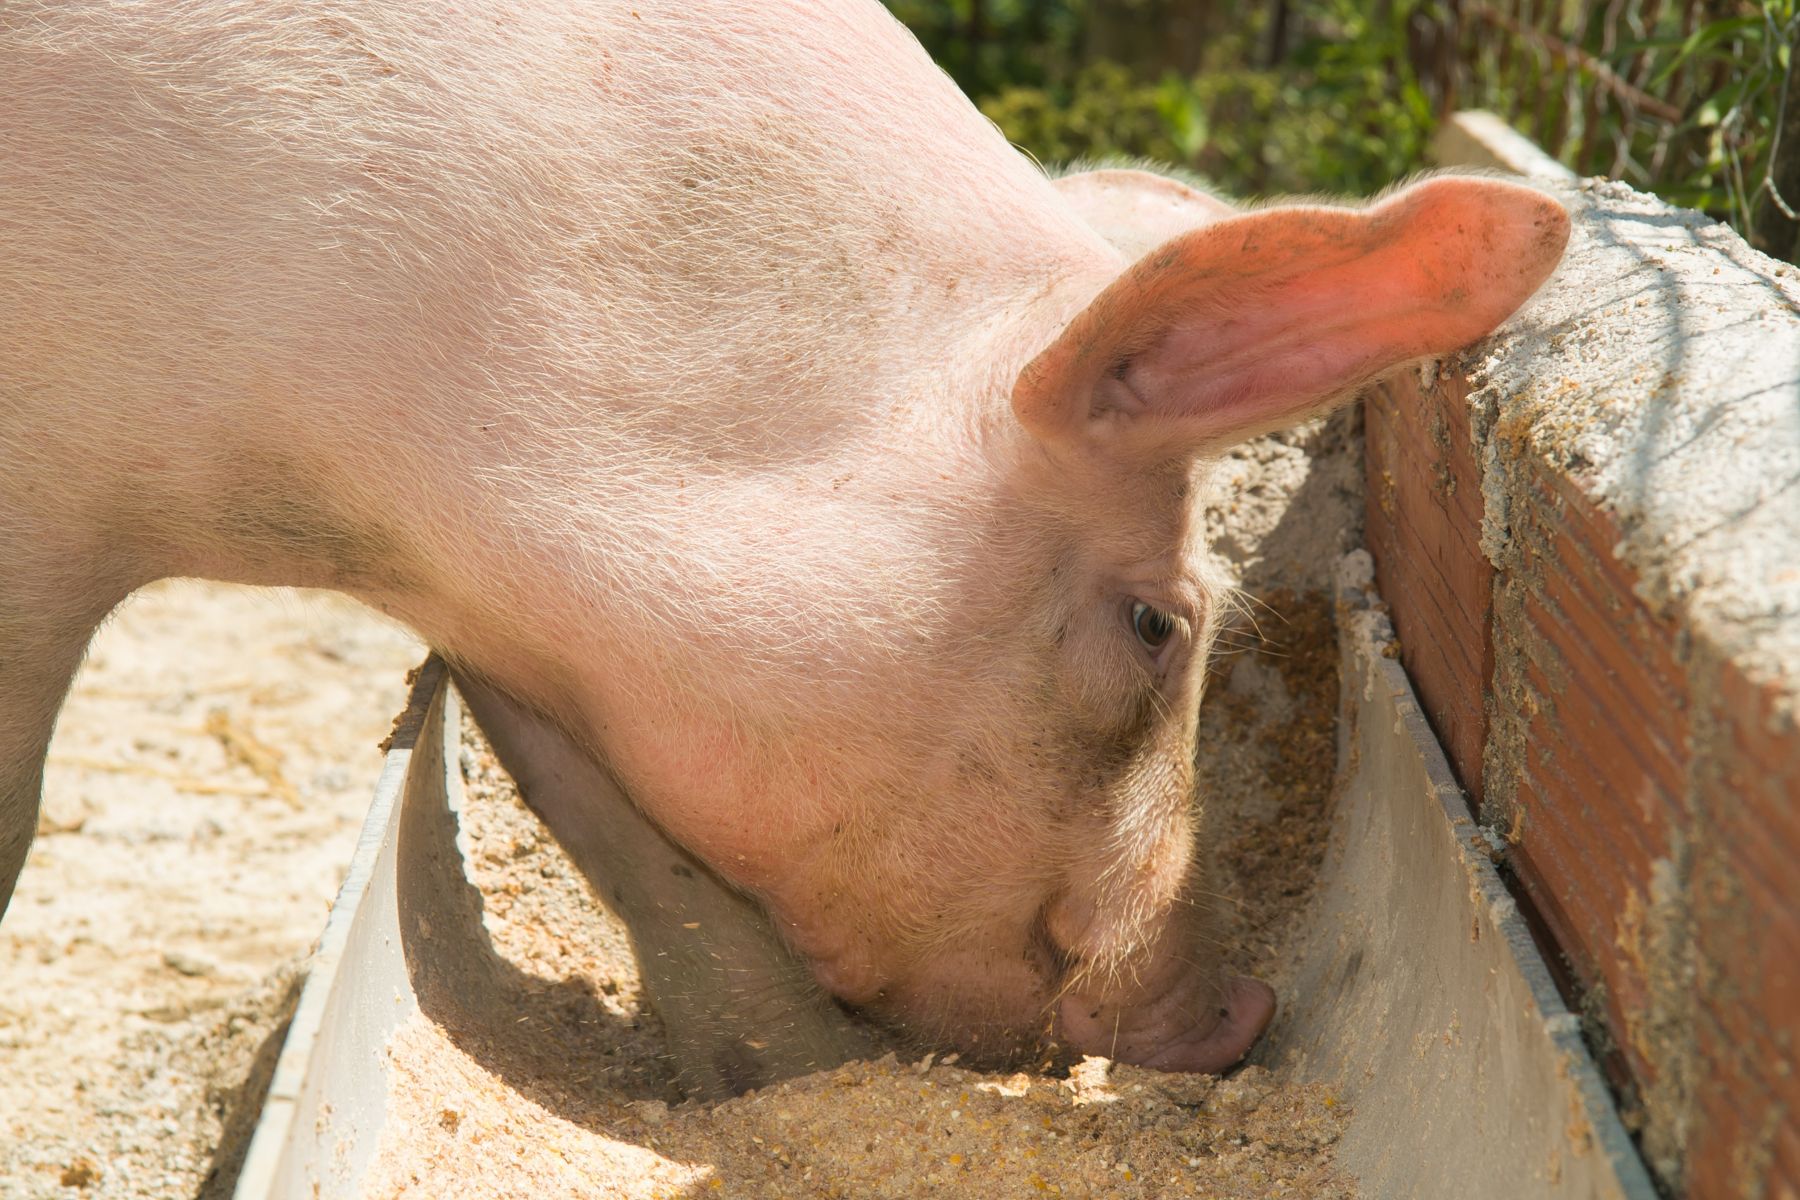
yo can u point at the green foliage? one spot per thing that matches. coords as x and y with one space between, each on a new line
1341 113
1360 118
1682 99
1103 113
990 45
1344 112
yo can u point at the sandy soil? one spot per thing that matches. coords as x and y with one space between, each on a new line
204 791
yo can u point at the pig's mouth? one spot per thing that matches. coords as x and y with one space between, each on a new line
1161 1005
1188 1025
1186 1019
1166 1011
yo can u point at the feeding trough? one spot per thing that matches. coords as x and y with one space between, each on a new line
1417 992
1413 987
326 1103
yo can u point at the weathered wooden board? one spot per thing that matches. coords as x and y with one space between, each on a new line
1424 494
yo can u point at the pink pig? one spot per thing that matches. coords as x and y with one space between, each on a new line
724 397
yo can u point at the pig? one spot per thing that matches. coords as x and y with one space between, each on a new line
791 473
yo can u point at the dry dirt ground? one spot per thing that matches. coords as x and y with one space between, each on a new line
204 791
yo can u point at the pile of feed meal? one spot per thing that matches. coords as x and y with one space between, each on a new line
571 1096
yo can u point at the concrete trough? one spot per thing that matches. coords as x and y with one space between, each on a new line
1416 990
1417 987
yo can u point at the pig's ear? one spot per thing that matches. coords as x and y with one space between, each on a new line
1257 322
1137 210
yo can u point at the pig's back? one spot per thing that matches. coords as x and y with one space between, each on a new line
719 229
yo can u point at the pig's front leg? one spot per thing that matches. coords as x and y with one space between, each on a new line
42 638
740 1010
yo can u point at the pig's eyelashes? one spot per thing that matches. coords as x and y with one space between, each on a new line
1153 626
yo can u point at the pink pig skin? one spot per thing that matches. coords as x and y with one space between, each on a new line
712 384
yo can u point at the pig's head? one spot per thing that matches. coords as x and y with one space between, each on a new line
987 837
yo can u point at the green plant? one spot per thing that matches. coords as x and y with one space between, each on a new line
1344 112
1103 113
1684 100
1296 96
988 46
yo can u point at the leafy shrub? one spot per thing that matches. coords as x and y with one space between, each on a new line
1342 113
1297 96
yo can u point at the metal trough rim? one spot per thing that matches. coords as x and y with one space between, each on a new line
292 1132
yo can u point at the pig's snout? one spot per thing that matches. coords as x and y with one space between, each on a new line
1150 1003
1189 1025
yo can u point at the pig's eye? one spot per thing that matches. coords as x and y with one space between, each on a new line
1153 626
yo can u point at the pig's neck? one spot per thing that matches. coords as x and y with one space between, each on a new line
658 382
760 589
779 508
